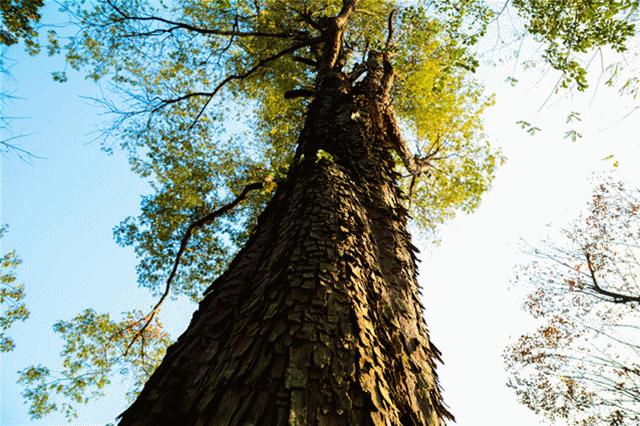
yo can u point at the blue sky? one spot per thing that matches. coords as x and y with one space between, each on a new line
61 210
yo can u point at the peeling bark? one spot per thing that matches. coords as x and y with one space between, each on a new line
317 321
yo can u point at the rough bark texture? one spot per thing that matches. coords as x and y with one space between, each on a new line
317 321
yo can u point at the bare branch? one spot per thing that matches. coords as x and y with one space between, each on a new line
7 147
617 297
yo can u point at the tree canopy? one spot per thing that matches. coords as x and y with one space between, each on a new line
209 97
581 363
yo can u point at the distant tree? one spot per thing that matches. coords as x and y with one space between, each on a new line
583 363
12 307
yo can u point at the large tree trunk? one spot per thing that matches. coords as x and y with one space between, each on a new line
317 321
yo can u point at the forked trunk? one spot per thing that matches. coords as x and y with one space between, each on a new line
317 321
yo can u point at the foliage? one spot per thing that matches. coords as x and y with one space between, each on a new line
442 107
19 18
191 156
583 363
571 27
95 349
11 296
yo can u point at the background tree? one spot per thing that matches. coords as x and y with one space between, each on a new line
583 363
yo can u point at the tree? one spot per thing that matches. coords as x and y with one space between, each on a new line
316 318
583 363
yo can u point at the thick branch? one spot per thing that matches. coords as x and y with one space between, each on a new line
389 74
348 7
307 61
183 246
415 165
391 30
333 29
617 297
299 93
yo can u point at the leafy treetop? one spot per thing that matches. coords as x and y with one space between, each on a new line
570 28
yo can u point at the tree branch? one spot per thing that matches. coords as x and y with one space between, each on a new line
617 297
185 26
307 61
348 7
183 246
414 164
299 93
333 30
228 79
391 29
389 74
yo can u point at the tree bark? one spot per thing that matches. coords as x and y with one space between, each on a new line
317 321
